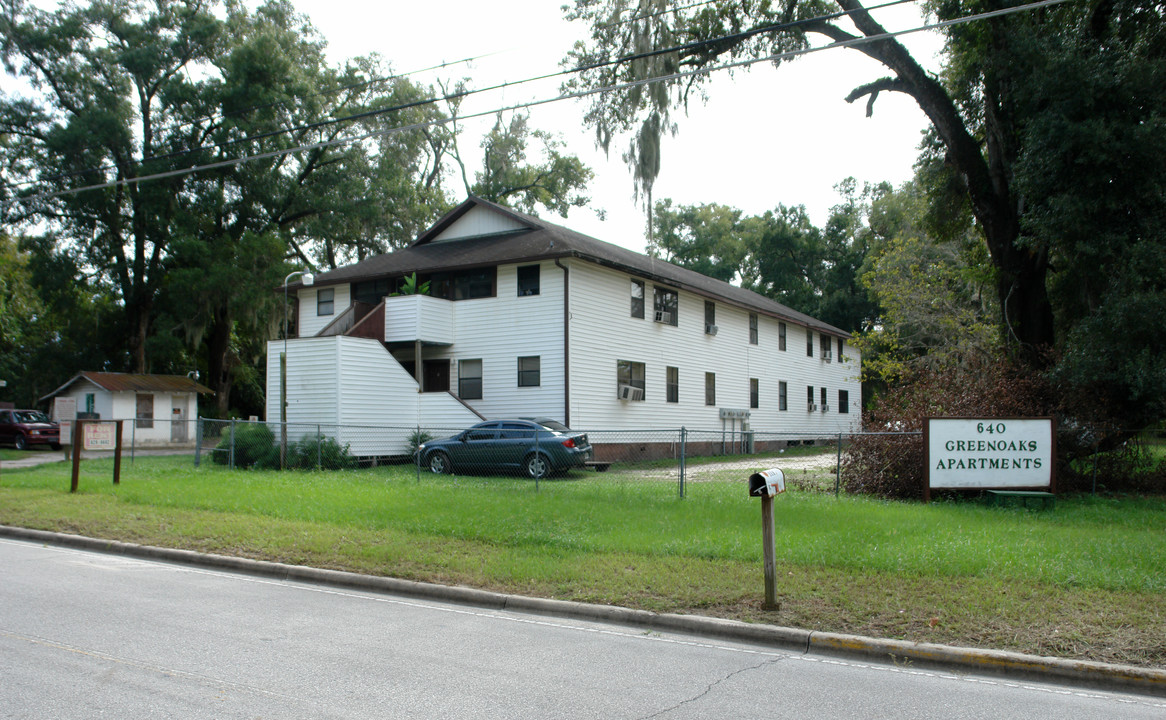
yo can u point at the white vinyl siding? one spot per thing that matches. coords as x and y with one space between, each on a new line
602 333
310 321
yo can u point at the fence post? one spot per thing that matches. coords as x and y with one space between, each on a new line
133 439
231 452
319 439
838 467
417 452
683 449
197 440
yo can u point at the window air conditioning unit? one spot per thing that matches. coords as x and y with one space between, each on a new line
827 355
663 316
825 408
812 407
711 329
630 392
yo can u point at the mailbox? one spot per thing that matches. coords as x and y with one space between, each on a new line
766 483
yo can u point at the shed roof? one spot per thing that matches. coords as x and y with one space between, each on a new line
542 240
130 382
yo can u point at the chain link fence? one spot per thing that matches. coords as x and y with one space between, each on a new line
526 450
812 462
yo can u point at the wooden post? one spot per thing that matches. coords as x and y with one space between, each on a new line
769 539
117 453
78 440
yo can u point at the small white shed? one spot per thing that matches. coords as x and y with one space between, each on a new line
159 408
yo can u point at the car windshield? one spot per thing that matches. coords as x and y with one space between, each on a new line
31 416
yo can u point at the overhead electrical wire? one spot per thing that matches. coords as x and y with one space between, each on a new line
788 55
467 93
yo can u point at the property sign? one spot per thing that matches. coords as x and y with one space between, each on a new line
99 436
65 412
990 452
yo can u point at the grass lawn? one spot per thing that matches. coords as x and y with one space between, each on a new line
1086 580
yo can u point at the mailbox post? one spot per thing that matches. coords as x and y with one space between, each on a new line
767 484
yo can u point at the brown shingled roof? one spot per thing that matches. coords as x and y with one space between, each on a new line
128 382
542 240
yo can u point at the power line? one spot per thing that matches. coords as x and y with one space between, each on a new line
788 55
774 27
501 86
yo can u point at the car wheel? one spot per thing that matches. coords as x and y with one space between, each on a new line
536 466
21 443
439 463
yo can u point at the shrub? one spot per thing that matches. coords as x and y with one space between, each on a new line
892 465
312 451
254 444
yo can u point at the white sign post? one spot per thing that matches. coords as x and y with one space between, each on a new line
990 453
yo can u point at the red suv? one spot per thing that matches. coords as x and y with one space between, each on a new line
25 428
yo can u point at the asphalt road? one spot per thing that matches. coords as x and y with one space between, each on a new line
89 635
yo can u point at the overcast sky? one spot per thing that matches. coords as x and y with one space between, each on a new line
766 136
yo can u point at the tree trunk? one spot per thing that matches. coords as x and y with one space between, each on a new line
219 362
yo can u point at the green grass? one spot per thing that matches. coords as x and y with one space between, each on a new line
1084 580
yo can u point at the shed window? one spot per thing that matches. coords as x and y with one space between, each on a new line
145 411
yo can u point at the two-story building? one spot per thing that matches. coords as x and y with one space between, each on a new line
527 318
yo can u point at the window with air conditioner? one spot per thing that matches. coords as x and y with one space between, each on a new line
664 305
629 379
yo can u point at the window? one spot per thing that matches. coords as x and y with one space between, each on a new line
529 373
463 284
810 398
782 397
841 348
90 403
469 379
809 342
664 303
672 385
638 299
827 344
754 393
710 317
628 373
325 301
752 328
843 401
710 388
781 336
370 291
825 402
145 413
527 280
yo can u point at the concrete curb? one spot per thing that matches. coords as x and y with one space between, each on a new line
1150 681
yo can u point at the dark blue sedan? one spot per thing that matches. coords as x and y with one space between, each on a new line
533 447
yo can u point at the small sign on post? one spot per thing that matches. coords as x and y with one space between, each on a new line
767 484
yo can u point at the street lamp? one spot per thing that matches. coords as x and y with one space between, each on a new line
307 279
